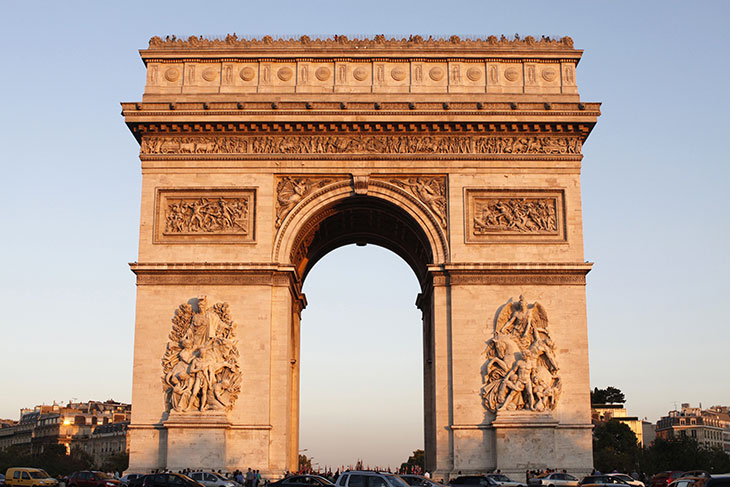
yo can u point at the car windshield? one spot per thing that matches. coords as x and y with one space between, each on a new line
218 476
396 481
40 474
501 478
623 477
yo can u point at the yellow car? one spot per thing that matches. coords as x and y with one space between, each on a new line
28 477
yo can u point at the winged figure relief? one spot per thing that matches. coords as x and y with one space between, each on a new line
520 370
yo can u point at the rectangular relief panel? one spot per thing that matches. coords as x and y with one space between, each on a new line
514 215
204 215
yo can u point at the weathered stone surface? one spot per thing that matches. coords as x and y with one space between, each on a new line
463 157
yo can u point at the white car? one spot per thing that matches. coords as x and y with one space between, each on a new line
554 479
503 480
626 478
212 479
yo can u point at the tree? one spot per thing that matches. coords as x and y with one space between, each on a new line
415 462
615 447
116 463
683 453
609 395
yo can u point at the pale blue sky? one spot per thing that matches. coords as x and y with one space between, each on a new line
655 195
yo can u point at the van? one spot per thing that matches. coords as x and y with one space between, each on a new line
28 477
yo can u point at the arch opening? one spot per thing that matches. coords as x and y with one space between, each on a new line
362 220
361 365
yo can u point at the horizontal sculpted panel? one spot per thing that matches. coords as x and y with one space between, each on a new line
204 215
361 144
514 215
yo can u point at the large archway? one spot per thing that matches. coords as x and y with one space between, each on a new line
361 360
261 156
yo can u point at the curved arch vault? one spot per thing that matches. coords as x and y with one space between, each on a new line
259 158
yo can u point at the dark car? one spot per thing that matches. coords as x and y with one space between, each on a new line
303 481
91 478
718 481
474 480
169 480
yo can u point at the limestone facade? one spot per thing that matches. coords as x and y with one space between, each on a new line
260 156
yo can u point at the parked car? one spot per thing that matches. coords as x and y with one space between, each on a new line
419 481
137 482
718 481
688 482
663 479
28 477
602 480
169 480
2 479
303 481
504 481
473 480
212 479
127 479
91 478
554 479
368 478
628 479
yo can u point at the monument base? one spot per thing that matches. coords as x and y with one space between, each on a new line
196 441
525 440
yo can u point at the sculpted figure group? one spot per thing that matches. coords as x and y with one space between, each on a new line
517 215
361 144
200 365
206 216
520 371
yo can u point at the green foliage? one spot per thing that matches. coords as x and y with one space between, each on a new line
614 447
609 395
53 459
416 460
683 453
116 463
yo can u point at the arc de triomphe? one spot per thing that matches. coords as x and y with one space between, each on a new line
261 156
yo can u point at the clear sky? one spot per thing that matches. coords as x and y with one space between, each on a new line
655 194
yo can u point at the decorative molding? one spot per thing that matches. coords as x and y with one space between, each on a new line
339 42
514 215
204 215
520 371
200 366
291 190
511 274
202 274
430 190
362 144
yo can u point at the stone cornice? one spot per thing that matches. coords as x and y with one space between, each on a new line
208 273
558 274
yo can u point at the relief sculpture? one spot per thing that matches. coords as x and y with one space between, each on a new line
200 366
361 144
520 371
430 190
523 215
203 215
290 190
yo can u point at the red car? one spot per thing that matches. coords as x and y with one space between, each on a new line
663 479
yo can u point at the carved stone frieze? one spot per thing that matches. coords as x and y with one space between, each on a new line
520 371
204 215
513 215
417 42
290 190
362 144
200 365
430 190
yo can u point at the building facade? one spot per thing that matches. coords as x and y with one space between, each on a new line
710 427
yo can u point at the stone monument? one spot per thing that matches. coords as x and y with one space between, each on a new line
261 156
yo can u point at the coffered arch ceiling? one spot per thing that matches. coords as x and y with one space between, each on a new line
362 220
